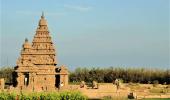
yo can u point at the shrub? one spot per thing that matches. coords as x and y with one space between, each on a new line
72 96
43 96
7 96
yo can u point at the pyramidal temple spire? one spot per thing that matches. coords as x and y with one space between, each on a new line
26 40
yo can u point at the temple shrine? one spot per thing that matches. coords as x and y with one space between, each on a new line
37 68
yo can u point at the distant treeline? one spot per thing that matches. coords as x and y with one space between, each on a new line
7 73
107 75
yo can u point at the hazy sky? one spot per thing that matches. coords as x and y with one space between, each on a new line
90 33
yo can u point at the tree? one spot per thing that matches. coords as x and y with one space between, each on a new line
7 74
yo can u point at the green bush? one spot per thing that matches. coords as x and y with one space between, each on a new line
43 96
7 96
71 96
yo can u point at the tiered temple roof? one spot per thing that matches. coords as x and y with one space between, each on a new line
42 51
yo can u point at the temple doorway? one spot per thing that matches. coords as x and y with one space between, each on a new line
57 81
26 79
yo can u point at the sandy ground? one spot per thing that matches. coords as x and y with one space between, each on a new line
108 89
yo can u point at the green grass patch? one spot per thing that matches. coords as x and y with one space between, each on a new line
74 95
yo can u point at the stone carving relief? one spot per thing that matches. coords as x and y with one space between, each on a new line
43 59
44 39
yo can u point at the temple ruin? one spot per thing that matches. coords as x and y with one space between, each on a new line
37 68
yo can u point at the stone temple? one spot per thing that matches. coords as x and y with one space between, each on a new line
37 68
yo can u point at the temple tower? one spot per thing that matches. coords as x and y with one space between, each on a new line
43 47
36 67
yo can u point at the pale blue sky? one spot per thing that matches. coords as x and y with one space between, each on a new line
91 32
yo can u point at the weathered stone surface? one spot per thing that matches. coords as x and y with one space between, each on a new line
2 84
36 67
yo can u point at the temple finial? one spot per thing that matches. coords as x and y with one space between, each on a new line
26 40
42 16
